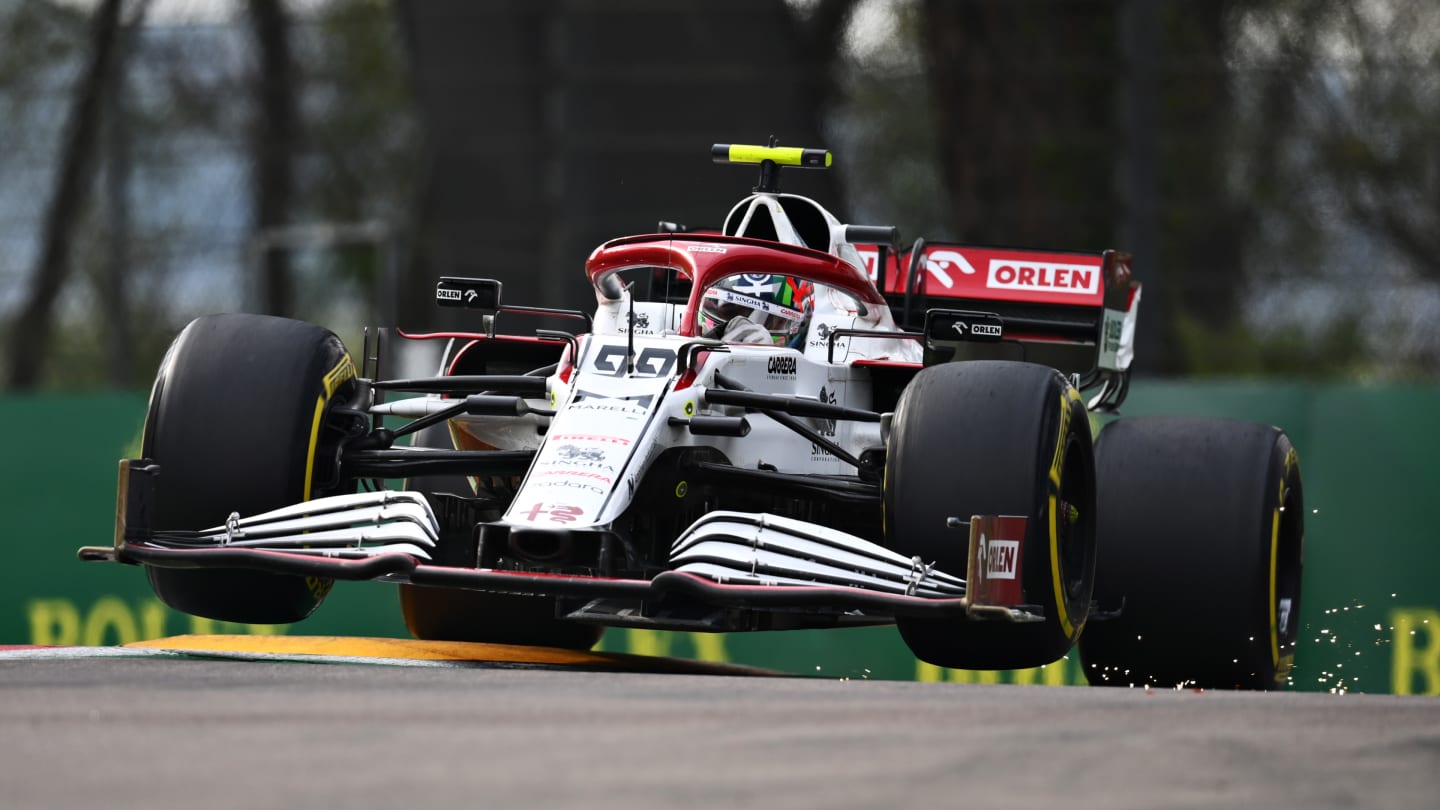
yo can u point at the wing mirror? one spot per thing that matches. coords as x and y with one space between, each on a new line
470 293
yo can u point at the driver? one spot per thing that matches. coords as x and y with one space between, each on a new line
759 308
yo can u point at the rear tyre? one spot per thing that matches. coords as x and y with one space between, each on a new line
1202 523
238 423
444 614
437 437
995 438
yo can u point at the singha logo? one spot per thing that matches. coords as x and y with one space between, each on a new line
825 427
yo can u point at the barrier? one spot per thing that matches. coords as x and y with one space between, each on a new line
1370 615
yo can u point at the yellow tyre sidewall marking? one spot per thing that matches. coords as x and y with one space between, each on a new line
1281 673
343 370
1056 467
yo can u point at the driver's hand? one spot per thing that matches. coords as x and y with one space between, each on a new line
741 329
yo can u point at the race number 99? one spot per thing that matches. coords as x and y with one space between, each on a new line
652 361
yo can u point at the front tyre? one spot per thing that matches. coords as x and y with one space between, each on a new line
239 422
1202 523
995 438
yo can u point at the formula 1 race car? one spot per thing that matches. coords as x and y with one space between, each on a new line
786 423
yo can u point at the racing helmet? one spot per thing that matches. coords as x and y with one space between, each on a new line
779 304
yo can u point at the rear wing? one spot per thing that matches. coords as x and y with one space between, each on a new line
1073 311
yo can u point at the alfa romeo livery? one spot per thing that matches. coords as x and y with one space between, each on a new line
783 422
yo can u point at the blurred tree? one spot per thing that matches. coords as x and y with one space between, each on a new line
37 36
1193 262
1024 98
553 125
1338 144
30 336
312 113
361 141
1087 124
114 271
275 131
1270 162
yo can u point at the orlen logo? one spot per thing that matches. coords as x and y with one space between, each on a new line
1000 558
938 264
1076 279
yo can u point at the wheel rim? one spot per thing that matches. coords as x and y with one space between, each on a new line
1075 524
1285 605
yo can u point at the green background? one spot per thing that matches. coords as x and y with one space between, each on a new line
1370 617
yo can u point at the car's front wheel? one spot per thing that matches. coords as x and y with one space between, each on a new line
239 421
995 438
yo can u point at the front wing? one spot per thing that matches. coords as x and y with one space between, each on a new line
725 561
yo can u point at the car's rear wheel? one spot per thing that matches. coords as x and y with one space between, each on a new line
1201 530
239 422
995 438
445 614
442 614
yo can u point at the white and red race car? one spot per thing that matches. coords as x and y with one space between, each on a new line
786 423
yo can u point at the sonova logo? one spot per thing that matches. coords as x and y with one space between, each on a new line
1076 279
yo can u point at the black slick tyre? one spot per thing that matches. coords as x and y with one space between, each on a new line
995 438
437 437
445 614
1201 533
238 423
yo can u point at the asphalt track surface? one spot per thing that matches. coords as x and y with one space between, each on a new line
166 730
